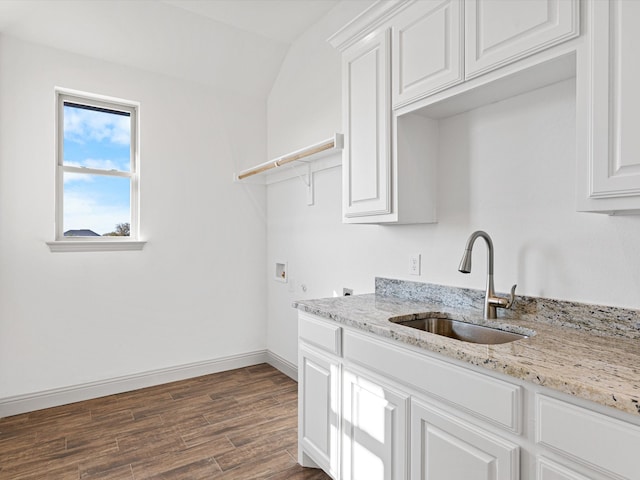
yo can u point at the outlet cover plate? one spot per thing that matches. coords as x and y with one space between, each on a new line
414 264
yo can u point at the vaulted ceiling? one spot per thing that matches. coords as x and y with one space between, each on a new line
231 44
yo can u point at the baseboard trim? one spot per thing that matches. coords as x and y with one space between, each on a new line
286 367
62 396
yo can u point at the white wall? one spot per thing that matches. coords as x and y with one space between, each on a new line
195 293
507 168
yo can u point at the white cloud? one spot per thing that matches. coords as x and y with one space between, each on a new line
83 211
81 124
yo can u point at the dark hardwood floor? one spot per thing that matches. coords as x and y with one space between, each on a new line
240 424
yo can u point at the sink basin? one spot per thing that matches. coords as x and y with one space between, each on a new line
442 324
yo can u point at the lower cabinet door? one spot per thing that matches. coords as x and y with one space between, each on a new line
444 447
318 410
374 430
548 470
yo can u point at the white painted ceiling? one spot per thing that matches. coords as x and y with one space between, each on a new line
231 44
279 20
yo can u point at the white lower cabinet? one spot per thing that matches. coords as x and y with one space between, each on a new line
318 410
596 441
374 422
549 470
444 447
374 409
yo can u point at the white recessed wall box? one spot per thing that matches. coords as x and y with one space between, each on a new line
281 271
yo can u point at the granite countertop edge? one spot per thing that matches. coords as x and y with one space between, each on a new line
598 368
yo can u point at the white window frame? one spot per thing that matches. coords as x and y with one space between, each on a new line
132 242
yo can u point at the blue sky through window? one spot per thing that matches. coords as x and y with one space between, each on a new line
101 140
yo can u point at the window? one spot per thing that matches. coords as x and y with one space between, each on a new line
97 169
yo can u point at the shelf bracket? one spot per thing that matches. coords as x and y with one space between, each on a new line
308 180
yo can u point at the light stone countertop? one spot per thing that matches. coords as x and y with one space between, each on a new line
588 351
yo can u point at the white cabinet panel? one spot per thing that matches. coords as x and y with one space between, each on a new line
427 49
320 334
374 430
608 104
590 438
444 447
491 399
548 470
318 404
366 119
498 32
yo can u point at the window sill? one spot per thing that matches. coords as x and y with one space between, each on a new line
95 245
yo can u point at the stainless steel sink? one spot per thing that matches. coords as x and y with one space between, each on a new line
442 324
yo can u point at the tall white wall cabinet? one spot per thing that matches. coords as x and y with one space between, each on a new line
404 413
607 109
367 120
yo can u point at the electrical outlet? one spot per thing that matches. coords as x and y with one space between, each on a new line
414 264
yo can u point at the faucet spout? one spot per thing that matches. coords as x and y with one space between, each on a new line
465 263
491 302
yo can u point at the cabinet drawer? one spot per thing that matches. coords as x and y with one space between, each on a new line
320 333
494 400
593 439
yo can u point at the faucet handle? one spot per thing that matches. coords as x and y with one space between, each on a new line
501 302
512 297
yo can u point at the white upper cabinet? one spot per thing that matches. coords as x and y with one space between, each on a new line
399 57
608 102
387 167
498 32
366 121
427 49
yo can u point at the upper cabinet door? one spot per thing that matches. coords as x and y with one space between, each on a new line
502 31
366 120
608 105
427 49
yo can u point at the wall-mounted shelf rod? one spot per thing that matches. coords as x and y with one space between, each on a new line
306 154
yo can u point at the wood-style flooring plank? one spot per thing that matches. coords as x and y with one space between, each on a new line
257 448
263 467
240 425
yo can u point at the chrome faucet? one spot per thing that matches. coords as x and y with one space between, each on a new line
491 302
